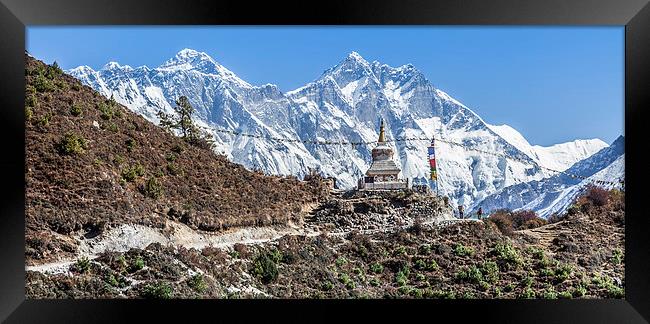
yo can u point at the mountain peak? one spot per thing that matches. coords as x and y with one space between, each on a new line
188 53
355 56
112 65
190 58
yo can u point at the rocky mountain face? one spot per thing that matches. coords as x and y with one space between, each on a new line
344 104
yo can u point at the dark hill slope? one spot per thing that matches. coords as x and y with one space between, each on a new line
92 163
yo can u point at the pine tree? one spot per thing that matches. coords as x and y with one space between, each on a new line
182 121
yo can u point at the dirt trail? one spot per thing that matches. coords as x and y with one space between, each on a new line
125 237
544 235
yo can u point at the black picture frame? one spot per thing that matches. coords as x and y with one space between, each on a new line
16 14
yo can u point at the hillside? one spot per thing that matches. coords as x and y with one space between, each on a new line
579 256
92 164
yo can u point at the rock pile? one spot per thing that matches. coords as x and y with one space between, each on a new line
377 210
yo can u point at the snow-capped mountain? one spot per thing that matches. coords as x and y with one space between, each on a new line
556 157
555 194
344 104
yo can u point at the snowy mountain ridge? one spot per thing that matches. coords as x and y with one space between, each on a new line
344 104
555 194
557 157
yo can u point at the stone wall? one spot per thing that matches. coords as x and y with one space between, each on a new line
378 210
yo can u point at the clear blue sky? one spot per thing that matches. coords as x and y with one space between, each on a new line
553 84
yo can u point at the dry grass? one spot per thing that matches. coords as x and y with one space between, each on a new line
86 187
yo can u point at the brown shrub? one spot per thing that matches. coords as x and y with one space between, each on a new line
508 221
598 196
520 217
554 218
501 218
533 223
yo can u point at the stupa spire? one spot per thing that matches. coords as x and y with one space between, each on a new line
381 132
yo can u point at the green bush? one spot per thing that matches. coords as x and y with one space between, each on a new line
42 84
30 90
130 144
132 172
528 293
401 278
82 265
507 254
376 267
107 111
72 144
490 271
174 169
444 294
547 272
53 71
345 279
425 249
265 268
152 188
38 69
607 283
563 272
527 281
615 292
121 262
461 250
537 253
44 120
617 256
110 126
119 282
276 255
485 286
401 250
327 286
110 279
471 274
580 290
29 113
417 293
137 264
31 101
76 110
157 290
549 293
341 261
197 282
118 159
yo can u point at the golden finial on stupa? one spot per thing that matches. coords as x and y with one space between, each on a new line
381 131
